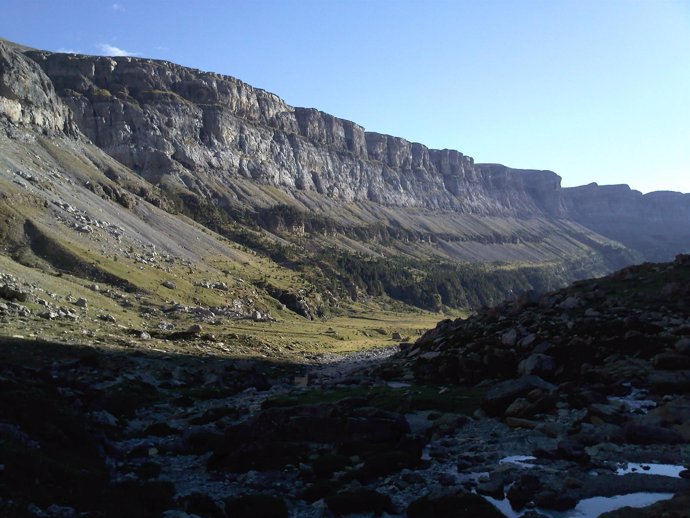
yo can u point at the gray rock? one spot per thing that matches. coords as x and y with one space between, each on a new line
683 345
494 486
537 364
648 434
497 398
570 303
509 338
23 84
195 329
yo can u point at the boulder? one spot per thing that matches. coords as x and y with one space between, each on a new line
452 505
648 434
671 361
256 506
537 364
501 395
360 501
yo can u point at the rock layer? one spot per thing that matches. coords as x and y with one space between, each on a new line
163 119
27 96
207 133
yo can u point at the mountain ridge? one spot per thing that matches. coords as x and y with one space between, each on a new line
372 213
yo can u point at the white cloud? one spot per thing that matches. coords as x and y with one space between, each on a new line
111 50
68 51
117 7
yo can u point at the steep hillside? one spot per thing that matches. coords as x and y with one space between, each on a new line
88 250
223 139
175 302
655 224
355 214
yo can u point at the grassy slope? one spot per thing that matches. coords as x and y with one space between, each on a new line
199 255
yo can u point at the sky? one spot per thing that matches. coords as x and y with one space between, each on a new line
595 90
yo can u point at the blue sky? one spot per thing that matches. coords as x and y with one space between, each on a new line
595 90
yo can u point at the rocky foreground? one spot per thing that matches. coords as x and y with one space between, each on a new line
527 409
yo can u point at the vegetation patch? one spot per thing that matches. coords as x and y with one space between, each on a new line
404 399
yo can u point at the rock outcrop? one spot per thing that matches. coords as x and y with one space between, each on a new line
653 223
235 157
165 120
209 133
27 96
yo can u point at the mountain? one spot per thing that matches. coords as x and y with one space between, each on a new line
356 213
184 259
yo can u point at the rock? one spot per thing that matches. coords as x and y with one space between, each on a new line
527 341
81 302
396 336
104 418
256 506
169 284
12 294
202 505
358 501
683 345
519 422
57 511
509 338
386 463
23 83
494 486
325 465
501 395
607 413
572 450
665 382
523 491
521 407
144 336
647 434
571 302
555 500
133 498
195 329
538 364
107 317
671 361
452 505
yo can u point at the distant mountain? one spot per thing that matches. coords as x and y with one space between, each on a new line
356 213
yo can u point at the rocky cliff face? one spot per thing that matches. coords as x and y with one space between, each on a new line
27 96
226 141
164 120
656 223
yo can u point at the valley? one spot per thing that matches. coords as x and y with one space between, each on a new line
214 304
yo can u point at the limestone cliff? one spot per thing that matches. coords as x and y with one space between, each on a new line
164 120
27 96
656 223
244 149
